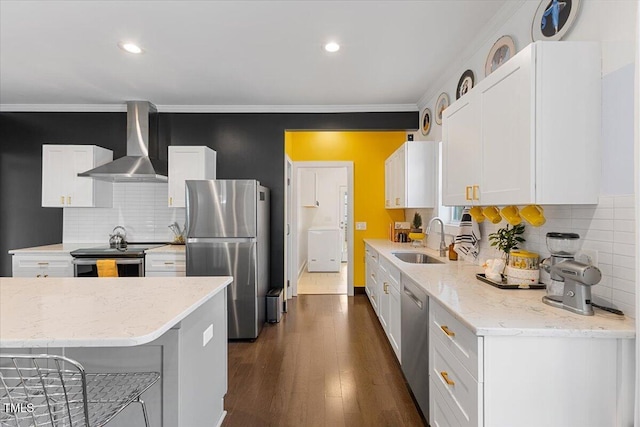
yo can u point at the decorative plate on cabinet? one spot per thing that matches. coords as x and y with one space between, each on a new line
503 49
441 104
465 83
425 122
553 19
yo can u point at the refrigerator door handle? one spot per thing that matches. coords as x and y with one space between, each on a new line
220 239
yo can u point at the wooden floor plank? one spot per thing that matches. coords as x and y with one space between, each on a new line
327 363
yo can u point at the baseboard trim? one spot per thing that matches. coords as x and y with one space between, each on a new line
359 290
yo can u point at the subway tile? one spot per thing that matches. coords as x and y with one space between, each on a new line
592 213
557 212
625 201
624 249
624 213
604 292
623 297
624 261
605 258
599 246
606 201
597 235
624 225
624 273
606 269
623 285
624 237
595 224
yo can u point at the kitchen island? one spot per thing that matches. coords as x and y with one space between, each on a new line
501 357
175 326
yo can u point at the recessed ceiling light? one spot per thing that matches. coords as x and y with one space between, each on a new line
130 47
332 47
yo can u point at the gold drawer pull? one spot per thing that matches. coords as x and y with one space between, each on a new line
476 189
170 201
397 201
62 200
43 263
467 190
445 377
447 331
68 200
168 263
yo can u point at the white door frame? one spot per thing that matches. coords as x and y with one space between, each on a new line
288 247
294 219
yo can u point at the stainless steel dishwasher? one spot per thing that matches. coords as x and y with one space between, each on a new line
415 343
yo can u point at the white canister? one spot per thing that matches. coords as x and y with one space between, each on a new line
523 278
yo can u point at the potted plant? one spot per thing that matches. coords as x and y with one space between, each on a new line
416 224
507 239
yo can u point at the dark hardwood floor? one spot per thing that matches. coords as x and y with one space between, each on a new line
327 363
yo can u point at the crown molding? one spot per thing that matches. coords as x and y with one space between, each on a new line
504 14
111 108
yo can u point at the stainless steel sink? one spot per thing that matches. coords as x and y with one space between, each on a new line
416 258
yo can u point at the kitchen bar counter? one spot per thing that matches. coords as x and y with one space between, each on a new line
487 310
168 249
55 249
176 326
97 312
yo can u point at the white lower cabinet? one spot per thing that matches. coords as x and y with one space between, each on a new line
525 381
382 286
42 265
371 280
165 265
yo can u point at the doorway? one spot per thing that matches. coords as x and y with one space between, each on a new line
322 224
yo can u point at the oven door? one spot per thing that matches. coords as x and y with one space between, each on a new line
127 267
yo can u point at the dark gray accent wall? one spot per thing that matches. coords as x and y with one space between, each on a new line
248 146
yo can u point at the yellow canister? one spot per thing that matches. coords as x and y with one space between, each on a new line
524 260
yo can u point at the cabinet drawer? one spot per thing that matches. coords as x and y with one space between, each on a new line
440 414
162 263
459 389
392 272
462 343
30 266
370 254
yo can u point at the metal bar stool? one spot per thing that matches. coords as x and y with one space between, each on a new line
49 390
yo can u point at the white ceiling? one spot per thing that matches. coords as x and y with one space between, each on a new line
234 55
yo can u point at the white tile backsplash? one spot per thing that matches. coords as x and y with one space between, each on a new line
141 208
608 228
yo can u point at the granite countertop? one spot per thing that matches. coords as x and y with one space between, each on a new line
97 312
487 310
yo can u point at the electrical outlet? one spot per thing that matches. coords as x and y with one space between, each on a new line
588 256
361 225
207 335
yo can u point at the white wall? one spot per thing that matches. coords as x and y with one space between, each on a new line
327 213
139 207
610 226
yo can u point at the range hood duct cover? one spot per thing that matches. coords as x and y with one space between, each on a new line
141 164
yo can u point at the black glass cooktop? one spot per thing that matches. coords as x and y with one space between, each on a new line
131 250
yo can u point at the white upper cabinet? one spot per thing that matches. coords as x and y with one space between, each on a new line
185 163
529 132
61 185
309 189
410 176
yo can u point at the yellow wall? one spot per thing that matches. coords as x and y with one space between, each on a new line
367 151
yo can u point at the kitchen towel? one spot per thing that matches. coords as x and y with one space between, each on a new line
467 242
107 268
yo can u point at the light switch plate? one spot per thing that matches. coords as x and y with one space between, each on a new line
207 335
361 225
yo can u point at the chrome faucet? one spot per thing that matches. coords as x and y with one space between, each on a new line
443 245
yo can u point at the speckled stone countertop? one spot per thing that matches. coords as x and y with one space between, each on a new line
97 312
168 249
487 310
55 249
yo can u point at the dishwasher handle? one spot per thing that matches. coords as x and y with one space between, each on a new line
413 297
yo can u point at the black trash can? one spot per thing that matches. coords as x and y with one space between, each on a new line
274 305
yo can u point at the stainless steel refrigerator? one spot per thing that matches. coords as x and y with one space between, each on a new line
228 235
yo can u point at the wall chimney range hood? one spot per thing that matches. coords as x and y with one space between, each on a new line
141 164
